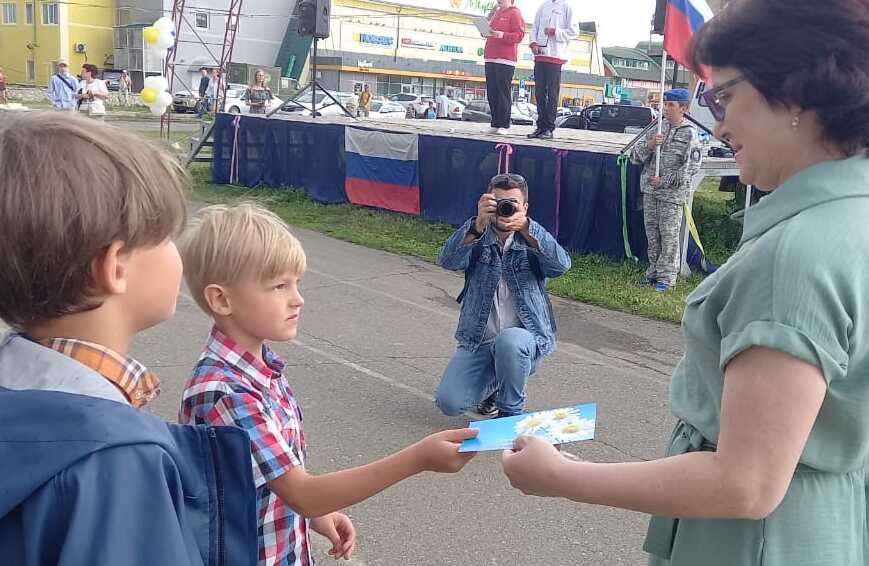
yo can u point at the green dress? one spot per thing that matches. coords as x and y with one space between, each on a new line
799 283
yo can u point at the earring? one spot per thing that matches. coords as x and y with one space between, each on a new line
795 123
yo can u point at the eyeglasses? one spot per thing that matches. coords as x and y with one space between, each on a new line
507 181
713 101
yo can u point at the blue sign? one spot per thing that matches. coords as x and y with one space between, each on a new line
522 84
375 39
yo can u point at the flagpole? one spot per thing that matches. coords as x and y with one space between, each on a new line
661 110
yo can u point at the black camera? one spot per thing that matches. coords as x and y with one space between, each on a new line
505 207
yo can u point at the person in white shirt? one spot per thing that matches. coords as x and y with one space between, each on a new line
553 29
92 92
443 103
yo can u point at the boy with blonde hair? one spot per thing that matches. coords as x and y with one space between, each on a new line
243 267
87 216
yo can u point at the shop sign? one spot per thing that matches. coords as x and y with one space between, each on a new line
372 39
409 42
452 48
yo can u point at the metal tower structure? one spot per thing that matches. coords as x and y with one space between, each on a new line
178 16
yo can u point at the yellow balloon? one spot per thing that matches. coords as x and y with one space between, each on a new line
151 34
149 95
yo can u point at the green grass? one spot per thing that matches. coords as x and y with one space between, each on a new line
593 279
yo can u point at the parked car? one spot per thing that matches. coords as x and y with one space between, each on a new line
405 99
325 106
455 109
608 118
384 109
112 78
184 101
478 111
527 108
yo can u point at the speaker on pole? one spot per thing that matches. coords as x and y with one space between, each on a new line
314 18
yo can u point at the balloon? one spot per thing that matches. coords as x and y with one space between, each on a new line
165 41
164 99
149 95
151 35
157 82
164 24
157 110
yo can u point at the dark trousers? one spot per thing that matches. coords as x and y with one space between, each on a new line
499 81
547 86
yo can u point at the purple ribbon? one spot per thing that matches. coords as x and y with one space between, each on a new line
559 156
505 151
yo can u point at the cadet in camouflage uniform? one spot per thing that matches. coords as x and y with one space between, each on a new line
664 197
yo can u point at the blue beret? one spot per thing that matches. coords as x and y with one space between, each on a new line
677 95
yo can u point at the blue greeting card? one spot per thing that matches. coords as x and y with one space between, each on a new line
557 426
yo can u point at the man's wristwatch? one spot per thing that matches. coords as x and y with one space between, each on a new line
473 229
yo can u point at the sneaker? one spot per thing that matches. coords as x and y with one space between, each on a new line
546 135
534 134
662 286
493 130
648 281
487 408
501 131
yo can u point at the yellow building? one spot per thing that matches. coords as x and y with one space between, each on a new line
34 34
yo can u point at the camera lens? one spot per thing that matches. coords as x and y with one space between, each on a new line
506 207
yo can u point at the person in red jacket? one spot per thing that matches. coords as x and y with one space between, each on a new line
508 29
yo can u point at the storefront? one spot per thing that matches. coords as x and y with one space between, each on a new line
397 48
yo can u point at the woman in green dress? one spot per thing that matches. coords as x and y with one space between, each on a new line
768 462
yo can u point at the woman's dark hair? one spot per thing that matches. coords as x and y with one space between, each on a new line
90 68
809 53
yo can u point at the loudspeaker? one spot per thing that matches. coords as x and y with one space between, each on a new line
314 18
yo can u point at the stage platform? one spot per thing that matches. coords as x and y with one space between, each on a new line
578 189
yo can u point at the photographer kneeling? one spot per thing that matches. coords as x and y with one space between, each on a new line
506 323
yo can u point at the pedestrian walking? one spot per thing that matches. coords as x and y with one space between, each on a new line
365 101
124 87
92 92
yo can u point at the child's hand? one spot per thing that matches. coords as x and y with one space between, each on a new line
439 452
338 528
533 466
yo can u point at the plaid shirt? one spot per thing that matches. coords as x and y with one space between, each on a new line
231 387
137 384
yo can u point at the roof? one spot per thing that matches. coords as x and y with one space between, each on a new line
653 74
625 53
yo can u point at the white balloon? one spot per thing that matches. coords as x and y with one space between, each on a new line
157 110
158 83
165 41
164 99
164 24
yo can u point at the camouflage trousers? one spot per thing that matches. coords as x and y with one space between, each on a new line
663 222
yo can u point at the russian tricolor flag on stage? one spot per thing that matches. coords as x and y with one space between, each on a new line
382 169
684 19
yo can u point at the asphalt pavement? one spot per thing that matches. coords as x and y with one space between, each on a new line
376 333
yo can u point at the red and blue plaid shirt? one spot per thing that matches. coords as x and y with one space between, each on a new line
231 387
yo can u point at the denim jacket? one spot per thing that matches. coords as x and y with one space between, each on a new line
526 270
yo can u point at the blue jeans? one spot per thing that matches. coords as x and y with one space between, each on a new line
502 366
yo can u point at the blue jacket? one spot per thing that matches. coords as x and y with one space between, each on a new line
88 481
526 270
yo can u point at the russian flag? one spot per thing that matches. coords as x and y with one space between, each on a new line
684 19
382 169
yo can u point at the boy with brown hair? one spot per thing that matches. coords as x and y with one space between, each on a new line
243 267
87 216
